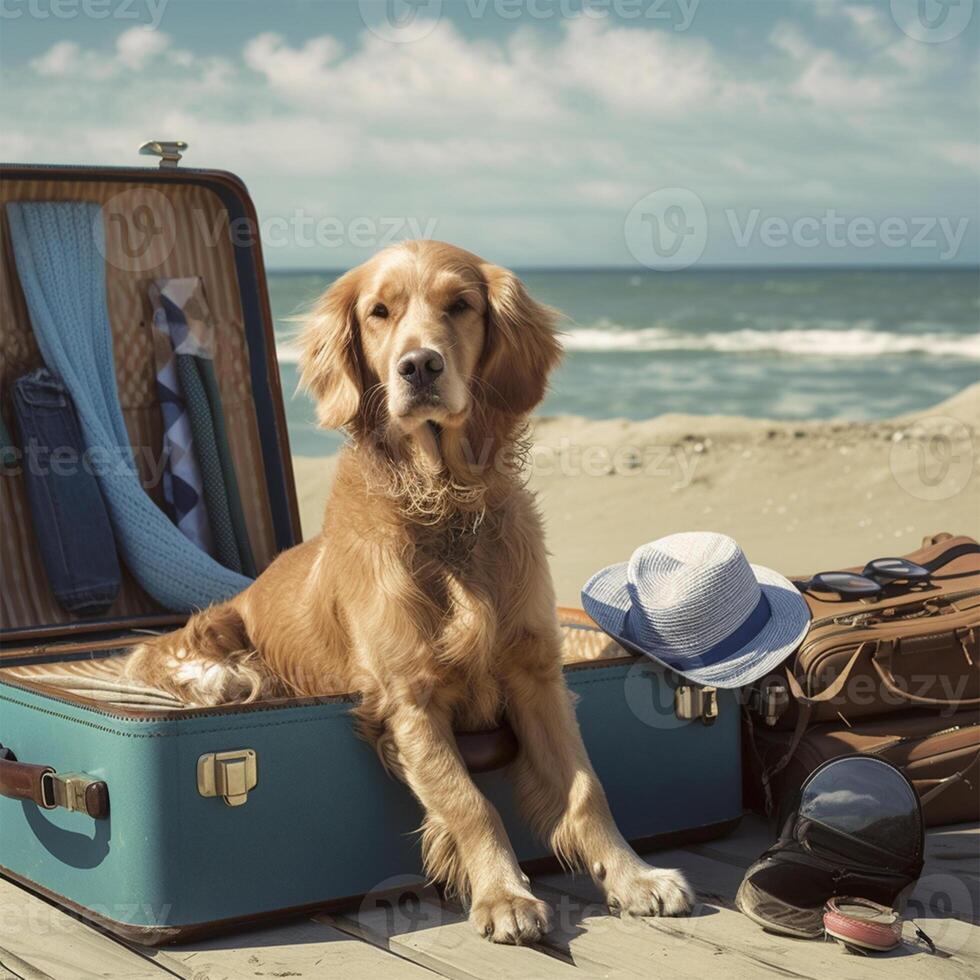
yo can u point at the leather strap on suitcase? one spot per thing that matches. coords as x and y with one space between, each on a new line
49 789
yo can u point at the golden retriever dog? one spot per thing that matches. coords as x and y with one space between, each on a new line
428 590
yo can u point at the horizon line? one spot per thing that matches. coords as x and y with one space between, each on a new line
640 270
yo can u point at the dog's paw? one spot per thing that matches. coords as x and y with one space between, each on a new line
642 890
513 917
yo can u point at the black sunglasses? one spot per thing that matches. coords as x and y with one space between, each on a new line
872 580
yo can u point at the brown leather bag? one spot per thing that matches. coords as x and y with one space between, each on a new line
942 760
911 648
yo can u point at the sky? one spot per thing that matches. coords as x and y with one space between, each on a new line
650 133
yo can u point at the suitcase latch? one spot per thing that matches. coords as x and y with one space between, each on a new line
169 151
229 775
691 702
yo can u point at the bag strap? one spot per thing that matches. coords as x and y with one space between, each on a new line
945 784
881 661
807 704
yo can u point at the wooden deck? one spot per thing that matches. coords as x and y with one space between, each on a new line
414 936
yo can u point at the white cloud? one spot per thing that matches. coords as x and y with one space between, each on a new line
140 45
439 74
60 59
135 49
557 127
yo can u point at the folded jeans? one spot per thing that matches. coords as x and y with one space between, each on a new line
70 519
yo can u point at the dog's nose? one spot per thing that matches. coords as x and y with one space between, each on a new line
421 367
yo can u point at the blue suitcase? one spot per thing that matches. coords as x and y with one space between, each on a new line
163 824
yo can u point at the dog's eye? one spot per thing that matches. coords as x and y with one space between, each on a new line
380 311
458 307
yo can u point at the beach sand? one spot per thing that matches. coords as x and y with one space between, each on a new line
798 496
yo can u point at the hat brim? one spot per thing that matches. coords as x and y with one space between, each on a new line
606 599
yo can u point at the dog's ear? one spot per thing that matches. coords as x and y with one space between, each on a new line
521 347
330 368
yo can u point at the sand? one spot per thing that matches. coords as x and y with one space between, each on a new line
798 496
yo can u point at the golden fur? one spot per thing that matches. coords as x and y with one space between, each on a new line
428 590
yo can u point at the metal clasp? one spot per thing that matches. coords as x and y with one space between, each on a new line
770 700
169 151
229 775
691 702
68 790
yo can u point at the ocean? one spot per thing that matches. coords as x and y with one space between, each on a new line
847 344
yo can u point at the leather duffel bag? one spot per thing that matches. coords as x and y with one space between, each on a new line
912 647
940 759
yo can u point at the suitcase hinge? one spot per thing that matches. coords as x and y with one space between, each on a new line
691 702
169 151
229 775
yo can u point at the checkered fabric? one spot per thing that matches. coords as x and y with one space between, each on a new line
183 487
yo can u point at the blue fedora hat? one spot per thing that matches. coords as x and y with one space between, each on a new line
693 603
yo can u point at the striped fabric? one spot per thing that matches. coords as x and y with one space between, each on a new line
182 483
184 341
206 447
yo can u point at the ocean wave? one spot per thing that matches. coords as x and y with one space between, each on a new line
813 342
605 337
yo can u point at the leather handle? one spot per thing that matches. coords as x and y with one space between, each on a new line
881 661
38 784
24 781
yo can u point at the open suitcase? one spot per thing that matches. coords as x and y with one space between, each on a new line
163 824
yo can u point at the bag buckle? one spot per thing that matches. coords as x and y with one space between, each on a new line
229 775
769 700
692 702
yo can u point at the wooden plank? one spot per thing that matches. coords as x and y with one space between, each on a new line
717 925
591 936
24 970
415 924
307 948
60 947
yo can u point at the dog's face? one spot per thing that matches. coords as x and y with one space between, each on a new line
426 332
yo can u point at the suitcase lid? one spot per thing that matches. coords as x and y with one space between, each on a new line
204 223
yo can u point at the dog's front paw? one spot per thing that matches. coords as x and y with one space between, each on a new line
642 890
514 917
